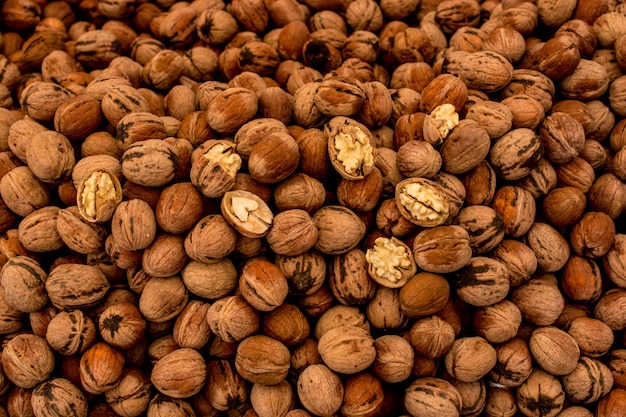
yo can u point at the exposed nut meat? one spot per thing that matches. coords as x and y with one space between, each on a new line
225 157
247 213
355 152
422 202
390 262
446 118
99 194
351 147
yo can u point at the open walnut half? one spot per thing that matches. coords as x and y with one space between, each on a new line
99 193
390 262
214 167
247 213
351 147
422 202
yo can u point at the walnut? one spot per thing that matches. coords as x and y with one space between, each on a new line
292 233
349 280
390 262
514 363
38 231
562 137
247 213
593 336
99 193
224 388
539 300
214 168
180 374
482 282
339 229
24 280
394 358
22 192
286 324
76 286
262 360
347 349
520 261
274 158
132 395
58 397
27 360
121 325
422 202
426 293
263 284
320 390
211 239
162 299
554 350
350 147
442 249
232 318
516 153
225 114
429 395
71 332
165 256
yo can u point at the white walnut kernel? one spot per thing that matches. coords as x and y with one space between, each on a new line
224 157
247 213
422 202
99 193
355 152
390 262
446 118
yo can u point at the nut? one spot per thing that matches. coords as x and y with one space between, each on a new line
422 202
99 193
351 147
247 213
390 262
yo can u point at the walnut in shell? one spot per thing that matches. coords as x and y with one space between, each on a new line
180 374
98 193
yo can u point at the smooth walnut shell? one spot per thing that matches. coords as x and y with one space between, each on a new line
133 225
339 229
224 388
470 358
163 299
425 294
263 284
540 301
292 233
22 192
262 360
50 156
347 349
211 239
210 280
320 390
180 374
554 350
442 249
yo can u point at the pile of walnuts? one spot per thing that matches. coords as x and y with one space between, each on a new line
291 208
